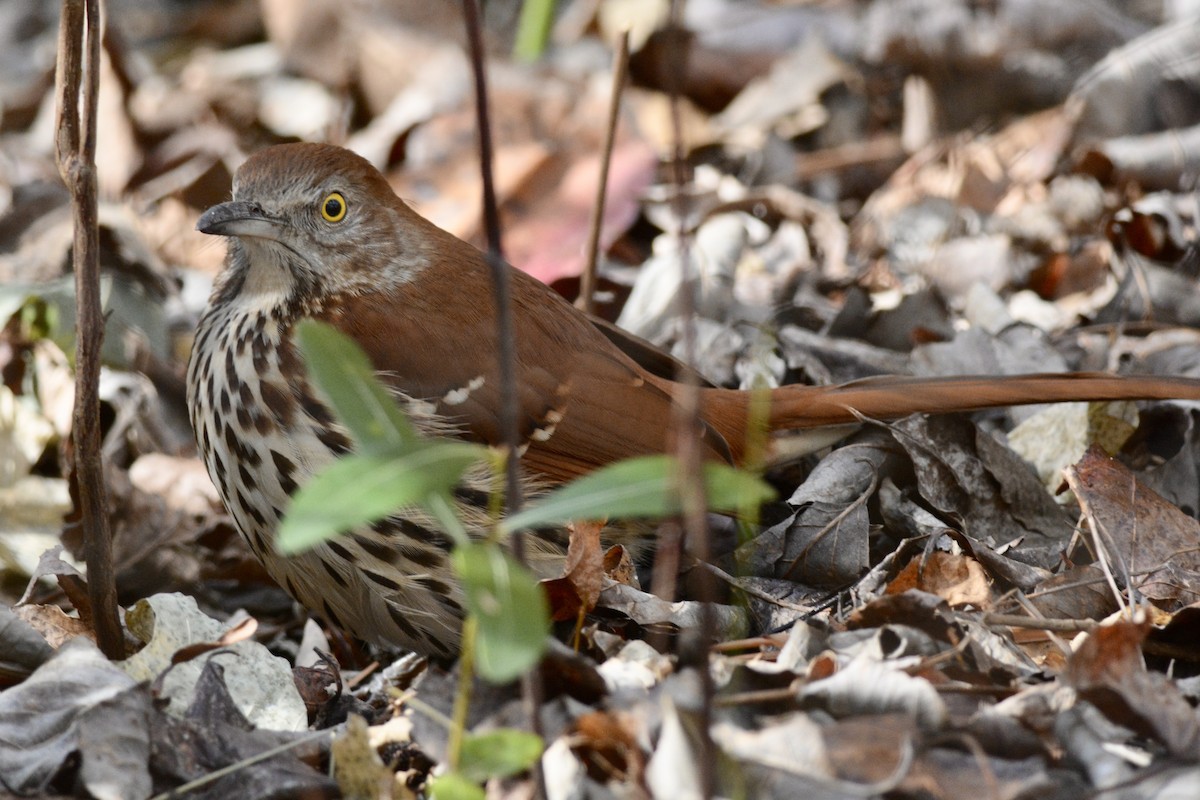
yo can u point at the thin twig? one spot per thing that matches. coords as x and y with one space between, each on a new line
587 282
246 762
499 268
751 591
1056 625
832 525
1036 613
78 78
531 682
690 483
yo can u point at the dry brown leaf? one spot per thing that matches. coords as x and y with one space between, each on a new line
960 580
54 624
619 566
575 593
607 745
1156 542
1108 671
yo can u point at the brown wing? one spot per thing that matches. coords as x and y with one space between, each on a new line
582 403
648 357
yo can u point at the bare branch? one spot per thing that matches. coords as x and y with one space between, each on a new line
77 80
587 282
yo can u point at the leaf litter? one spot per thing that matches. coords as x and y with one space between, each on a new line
1003 603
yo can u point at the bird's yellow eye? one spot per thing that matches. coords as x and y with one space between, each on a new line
333 207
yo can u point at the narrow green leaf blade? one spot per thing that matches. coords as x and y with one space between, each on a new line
499 753
454 786
533 29
638 487
361 488
511 610
346 378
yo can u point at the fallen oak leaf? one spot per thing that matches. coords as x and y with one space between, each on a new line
576 591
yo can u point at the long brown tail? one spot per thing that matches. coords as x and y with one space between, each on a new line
888 398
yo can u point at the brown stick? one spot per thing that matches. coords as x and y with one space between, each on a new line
532 691
690 479
587 282
75 148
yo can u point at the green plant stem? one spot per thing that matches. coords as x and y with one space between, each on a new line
462 698
533 29
443 512
757 433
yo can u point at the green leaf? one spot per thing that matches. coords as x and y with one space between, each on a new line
508 605
533 29
638 487
499 754
345 376
453 786
362 488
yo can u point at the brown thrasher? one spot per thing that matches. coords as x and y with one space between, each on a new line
315 231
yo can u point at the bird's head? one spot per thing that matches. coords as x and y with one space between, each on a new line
315 218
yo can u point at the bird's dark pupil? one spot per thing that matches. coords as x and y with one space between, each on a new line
332 207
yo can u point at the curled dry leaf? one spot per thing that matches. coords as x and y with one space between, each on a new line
607 744
960 580
1108 671
575 593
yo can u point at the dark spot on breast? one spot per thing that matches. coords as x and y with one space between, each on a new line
334 574
425 557
555 536
243 418
221 469
226 402
256 515
451 605
261 351
315 408
331 616
200 345
427 535
341 551
438 587
248 454
474 497
283 472
231 373
333 440
261 360
398 616
444 650
248 480
242 452
256 542
376 547
278 402
262 423
289 360
422 546
382 580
